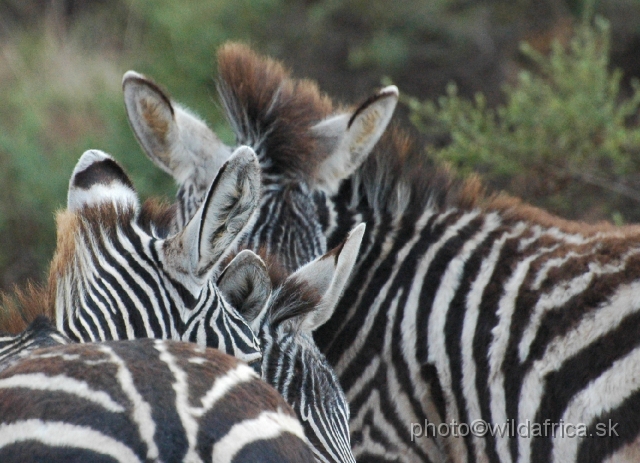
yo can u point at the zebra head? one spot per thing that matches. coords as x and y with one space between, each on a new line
292 363
118 274
176 140
305 148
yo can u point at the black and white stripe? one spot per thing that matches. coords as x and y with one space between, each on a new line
464 308
292 363
139 400
327 420
116 275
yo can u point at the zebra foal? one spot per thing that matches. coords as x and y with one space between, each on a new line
137 401
106 230
283 319
462 307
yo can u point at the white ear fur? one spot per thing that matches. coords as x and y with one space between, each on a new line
172 137
98 178
218 224
351 137
329 275
246 285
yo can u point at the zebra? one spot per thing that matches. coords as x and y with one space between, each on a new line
284 320
102 216
181 144
117 274
462 307
137 400
291 361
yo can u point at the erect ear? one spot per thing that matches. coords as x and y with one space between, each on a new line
220 220
246 285
329 275
349 138
96 179
176 140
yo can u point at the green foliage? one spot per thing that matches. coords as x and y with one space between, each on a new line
60 87
386 33
563 136
59 97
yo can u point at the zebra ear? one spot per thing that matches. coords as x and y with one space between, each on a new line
220 220
329 274
246 285
172 137
349 138
98 178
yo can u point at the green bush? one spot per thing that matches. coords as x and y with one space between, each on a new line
563 138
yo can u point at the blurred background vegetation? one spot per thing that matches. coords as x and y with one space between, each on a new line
554 121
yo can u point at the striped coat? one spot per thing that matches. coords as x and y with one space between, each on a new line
118 274
138 401
463 309
105 235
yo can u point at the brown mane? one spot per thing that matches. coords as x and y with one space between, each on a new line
396 162
25 304
266 105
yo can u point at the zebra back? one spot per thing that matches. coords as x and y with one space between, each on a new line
139 400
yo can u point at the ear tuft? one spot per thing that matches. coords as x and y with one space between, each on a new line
98 178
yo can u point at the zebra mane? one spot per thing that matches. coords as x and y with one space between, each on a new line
398 178
22 307
270 111
157 216
26 303
273 112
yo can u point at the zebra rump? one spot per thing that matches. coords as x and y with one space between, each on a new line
139 401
